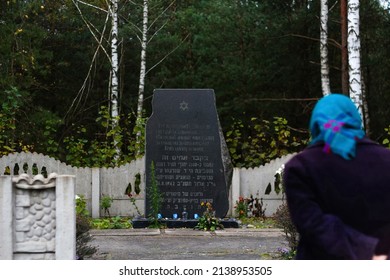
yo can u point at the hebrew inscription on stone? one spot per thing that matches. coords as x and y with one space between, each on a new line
183 142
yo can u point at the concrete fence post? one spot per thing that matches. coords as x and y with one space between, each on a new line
95 192
236 188
6 217
66 217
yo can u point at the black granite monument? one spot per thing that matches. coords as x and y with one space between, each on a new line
183 140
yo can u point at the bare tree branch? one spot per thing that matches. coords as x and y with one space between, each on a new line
331 41
90 28
159 62
90 5
284 99
81 93
163 12
155 33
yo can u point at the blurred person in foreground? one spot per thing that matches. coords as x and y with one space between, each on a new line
338 188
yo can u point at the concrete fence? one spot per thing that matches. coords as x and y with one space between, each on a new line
94 183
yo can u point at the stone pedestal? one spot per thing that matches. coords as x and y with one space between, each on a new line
179 223
37 217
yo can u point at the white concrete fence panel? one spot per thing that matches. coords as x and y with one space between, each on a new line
94 183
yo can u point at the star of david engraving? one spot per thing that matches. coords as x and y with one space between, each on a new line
184 106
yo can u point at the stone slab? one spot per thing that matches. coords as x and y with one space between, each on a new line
183 141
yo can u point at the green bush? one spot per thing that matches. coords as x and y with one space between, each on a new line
83 225
260 141
81 206
105 204
208 221
111 223
241 208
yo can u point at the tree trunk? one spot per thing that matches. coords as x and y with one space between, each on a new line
365 110
141 88
344 49
324 48
114 86
355 77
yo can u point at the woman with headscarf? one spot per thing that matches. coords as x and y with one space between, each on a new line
338 188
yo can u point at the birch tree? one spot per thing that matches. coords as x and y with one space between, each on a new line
144 40
344 46
142 74
324 48
114 84
113 92
355 76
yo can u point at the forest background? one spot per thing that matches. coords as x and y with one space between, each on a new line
262 58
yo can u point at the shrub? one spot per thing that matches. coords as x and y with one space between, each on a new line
105 204
256 207
83 225
283 220
241 208
111 223
259 141
250 207
83 237
208 221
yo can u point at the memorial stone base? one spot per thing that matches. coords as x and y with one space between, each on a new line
179 223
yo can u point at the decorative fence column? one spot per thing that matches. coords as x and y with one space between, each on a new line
6 236
37 217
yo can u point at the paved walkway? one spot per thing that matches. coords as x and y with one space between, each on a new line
187 244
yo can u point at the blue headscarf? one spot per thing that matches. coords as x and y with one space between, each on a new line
336 122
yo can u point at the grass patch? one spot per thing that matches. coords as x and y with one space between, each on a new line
259 223
111 223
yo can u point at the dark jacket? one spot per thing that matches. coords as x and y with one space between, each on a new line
340 207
